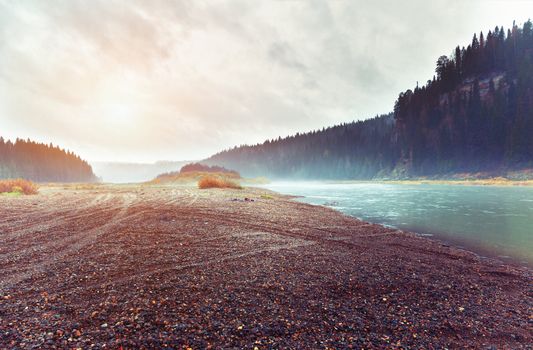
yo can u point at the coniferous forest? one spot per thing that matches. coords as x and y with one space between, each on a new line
42 163
474 115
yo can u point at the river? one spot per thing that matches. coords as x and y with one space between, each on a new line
490 220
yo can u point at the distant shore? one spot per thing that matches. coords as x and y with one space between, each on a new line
477 182
472 182
154 266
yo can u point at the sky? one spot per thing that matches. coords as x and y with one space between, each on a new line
141 81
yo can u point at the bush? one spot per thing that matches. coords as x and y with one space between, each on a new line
18 186
17 189
216 182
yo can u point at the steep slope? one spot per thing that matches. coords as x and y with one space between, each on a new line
476 114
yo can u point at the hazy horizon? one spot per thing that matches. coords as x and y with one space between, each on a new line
139 83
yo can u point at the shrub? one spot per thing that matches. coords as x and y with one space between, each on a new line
17 189
216 182
18 186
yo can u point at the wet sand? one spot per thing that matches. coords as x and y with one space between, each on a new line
173 266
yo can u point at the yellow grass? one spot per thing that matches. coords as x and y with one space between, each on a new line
19 186
211 181
82 186
192 177
256 181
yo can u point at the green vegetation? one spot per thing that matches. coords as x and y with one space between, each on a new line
17 187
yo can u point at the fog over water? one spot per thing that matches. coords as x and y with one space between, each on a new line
494 221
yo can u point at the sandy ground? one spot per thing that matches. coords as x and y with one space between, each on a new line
153 267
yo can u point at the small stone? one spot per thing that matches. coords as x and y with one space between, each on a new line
104 325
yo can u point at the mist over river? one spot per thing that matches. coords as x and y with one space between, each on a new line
490 220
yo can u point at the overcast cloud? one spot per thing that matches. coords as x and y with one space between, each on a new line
150 80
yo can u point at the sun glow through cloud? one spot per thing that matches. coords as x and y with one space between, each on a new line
119 113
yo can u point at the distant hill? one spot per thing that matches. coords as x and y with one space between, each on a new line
474 117
193 172
42 163
134 172
200 168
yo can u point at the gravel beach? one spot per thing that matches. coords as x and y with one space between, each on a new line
136 266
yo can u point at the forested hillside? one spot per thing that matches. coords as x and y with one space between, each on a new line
477 112
474 115
42 163
356 150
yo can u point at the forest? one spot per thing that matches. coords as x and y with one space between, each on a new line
352 150
42 163
475 115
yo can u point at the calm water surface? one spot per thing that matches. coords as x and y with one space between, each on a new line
489 220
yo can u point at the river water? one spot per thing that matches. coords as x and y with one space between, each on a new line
490 220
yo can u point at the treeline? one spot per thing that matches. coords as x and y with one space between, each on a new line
475 115
352 150
42 163
477 112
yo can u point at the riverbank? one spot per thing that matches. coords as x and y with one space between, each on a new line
154 266
473 182
492 221
461 182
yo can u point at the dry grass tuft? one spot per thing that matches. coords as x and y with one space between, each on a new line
20 186
191 177
210 181
82 186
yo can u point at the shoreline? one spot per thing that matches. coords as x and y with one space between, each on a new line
483 252
509 254
476 182
154 266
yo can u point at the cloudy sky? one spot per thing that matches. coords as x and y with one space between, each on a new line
150 80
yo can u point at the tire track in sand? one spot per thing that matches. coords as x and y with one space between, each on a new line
55 251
